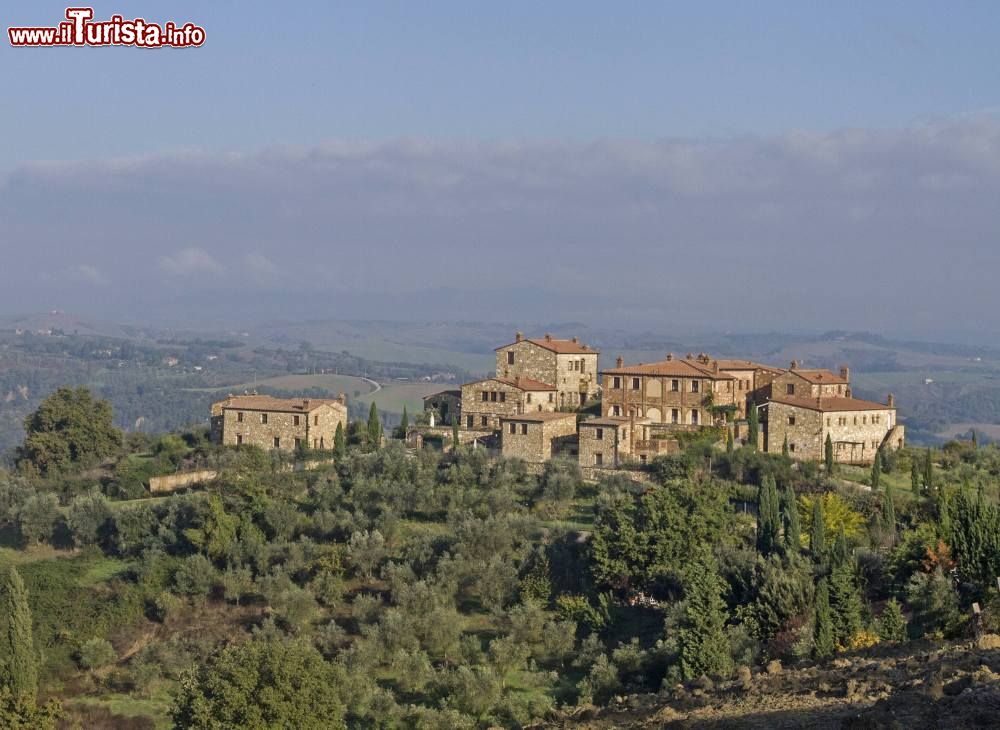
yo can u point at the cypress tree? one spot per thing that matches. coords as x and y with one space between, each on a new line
928 471
767 515
817 535
454 432
374 432
975 441
404 424
704 647
915 478
876 471
729 440
340 442
888 509
18 660
845 601
784 446
828 455
823 639
753 426
793 525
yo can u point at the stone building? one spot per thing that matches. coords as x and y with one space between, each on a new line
278 423
749 377
485 401
857 428
676 392
569 365
535 437
610 442
800 382
447 405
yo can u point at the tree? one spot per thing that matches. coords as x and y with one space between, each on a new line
928 471
975 440
892 624
915 478
216 533
340 442
792 523
876 471
824 642
934 602
38 516
729 440
69 427
88 516
828 455
702 642
753 426
768 519
18 658
374 431
404 424
454 432
817 532
845 601
96 653
784 446
22 713
266 682
888 509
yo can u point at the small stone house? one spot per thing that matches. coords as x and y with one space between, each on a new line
857 428
749 377
533 437
278 423
485 401
800 382
447 405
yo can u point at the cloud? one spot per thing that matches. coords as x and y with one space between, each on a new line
858 228
190 261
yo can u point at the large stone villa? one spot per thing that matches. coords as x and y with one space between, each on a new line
278 423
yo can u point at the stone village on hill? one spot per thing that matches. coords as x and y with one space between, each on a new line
536 407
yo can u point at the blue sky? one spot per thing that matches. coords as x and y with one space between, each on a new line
555 70
422 159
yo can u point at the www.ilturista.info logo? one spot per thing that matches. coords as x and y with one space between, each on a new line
79 29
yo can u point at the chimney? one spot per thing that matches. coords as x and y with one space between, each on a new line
847 392
576 340
891 401
689 356
342 397
795 364
305 404
715 366
548 337
670 356
518 336
619 362
845 372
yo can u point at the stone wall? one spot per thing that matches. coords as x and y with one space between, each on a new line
447 404
173 482
572 374
531 439
803 388
603 445
856 435
509 401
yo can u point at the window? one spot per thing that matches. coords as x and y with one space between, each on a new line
295 420
239 439
790 389
675 385
695 385
552 397
598 459
263 418
583 366
510 357
239 417
493 396
527 398
642 458
315 420
791 420
277 442
616 410
791 447
675 415
503 397
864 420
524 429
486 396
512 427
576 364
635 383
616 382
485 421
827 420
322 442
694 417
468 421
298 444
599 434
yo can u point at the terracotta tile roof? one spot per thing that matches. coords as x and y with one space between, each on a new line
560 347
525 384
832 404
613 421
728 364
819 376
539 416
680 368
269 403
456 393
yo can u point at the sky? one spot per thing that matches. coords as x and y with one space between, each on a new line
737 165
